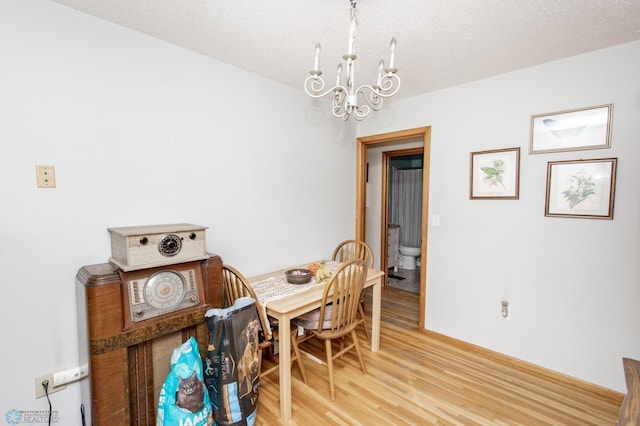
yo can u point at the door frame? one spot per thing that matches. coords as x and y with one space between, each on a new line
363 144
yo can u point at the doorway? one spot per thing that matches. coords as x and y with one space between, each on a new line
403 208
389 140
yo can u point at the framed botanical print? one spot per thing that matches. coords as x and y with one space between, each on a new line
495 174
581 188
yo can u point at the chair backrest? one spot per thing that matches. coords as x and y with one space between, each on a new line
235 286
630 409
353 249
342 293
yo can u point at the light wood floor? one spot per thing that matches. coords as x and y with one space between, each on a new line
422 379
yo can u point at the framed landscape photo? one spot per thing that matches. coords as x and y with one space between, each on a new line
573 130
495 174
581 188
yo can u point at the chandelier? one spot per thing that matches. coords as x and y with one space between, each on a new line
345 96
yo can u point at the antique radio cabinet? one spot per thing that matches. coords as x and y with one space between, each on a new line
129 323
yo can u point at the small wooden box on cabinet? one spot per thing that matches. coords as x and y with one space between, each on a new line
140 247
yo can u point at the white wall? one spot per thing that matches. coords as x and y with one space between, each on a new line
143 132
573 284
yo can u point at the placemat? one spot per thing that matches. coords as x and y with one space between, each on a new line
276 287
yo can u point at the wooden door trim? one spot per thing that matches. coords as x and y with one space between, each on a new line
363 143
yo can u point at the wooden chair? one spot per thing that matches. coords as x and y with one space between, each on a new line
337 316
354 249
629 414
235 286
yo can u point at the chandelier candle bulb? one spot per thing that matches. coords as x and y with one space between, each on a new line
380 69
339 72
316 62
392 56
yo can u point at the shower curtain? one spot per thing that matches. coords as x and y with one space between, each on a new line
406 205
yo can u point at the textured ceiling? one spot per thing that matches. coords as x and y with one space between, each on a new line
441 43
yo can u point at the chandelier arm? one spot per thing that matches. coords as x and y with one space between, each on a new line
336 113
371 96
313 86
387 84
339 109
361 112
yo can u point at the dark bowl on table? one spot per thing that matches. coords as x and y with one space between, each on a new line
298 276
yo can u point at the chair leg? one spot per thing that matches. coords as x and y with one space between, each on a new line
296 351
332 389
355 342
270 351
364 324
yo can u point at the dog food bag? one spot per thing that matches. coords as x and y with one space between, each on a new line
184 400
231 364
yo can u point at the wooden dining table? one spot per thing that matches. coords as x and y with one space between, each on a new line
288 306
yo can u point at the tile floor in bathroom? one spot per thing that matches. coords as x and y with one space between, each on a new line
412 278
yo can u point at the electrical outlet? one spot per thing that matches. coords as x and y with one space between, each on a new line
40 389
506 310
46 176
69 375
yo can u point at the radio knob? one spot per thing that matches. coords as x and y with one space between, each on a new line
194 298
144 240
138 313
192 236
170 245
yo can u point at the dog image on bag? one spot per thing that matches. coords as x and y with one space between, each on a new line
231 372
248 362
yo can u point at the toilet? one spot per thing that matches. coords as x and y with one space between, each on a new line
407 257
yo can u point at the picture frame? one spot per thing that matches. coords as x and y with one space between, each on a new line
495 174
581 188
571 130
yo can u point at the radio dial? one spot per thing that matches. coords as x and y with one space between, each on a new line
164 289
169 245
